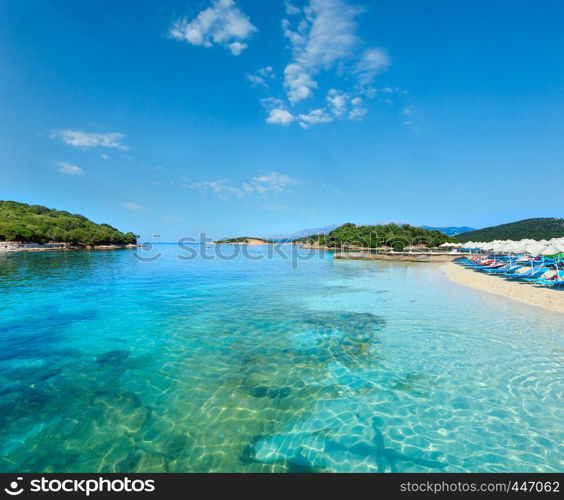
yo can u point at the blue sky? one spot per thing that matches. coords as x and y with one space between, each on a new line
253 117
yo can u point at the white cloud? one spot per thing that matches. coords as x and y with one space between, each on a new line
221 24
67 168
82 139
357 113
340 105
291 9
221 188
237 47
325 36
261 77
133 206
273 182
280 117
271 103
337 102
315 117
298 83
408 113
322 37
373 61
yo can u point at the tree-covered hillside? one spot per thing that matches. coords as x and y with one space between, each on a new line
37 224
536 229
392 235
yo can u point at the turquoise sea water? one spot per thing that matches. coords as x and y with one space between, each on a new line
108 363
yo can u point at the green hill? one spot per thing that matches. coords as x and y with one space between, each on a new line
392 235
536 229
37 224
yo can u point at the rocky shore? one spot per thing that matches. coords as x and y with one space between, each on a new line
14 246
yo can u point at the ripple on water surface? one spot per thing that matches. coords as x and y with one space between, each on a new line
111 364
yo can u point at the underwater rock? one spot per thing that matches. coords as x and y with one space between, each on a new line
270 392
112 358
259 392
130 463
346 321
175 445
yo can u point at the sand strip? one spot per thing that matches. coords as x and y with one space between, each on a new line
547 298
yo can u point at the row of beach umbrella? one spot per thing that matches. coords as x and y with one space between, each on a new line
535 248
451 245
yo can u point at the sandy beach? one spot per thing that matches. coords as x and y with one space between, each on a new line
547 298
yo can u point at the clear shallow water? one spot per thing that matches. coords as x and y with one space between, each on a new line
112 364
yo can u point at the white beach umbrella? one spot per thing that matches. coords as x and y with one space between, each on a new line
516 247
502 245
473 245
535 250
534 247
550 250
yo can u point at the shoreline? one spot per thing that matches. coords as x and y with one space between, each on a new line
545 298
13 247
400 256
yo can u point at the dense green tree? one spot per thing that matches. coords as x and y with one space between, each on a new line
391 235
536 229
38 224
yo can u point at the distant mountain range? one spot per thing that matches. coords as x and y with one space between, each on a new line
450 231
536 229
303 233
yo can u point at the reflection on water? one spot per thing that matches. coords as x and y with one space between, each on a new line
111 364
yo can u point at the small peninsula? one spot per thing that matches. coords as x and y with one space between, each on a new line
35 227
245 240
